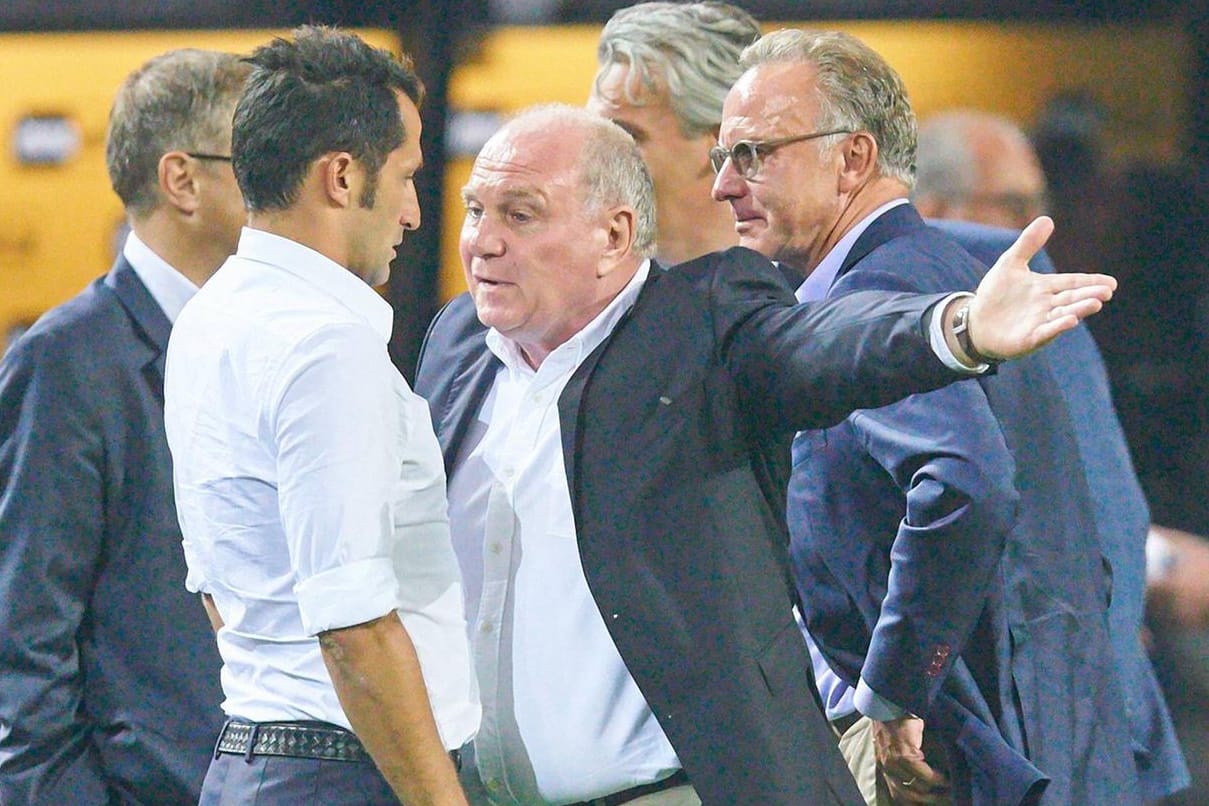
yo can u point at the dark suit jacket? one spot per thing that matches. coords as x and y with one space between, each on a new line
109 670
992 623
676 434
1122 521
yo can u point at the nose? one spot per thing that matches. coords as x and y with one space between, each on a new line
409 219
728 184
480 239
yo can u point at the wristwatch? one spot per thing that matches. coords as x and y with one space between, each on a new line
961 332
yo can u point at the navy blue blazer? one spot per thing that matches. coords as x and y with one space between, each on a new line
992 621
110 689
1122 521
676 435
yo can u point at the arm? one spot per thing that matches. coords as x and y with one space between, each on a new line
377 678
51 543
341 458
807 366
212 612
947 456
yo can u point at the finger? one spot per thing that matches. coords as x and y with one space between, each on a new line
1081 309
1100 293
1061 282
1031 240
916 791
1046 331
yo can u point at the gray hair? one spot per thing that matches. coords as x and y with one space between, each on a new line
694 48
857 91
946 165
611 167
181 100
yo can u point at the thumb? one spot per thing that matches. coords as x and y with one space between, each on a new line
1031 240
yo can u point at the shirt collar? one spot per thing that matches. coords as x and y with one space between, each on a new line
818 282
168 287
568 355
320 271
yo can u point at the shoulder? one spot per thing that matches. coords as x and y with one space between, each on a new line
457 321
453 338
734 274
79 334
925 260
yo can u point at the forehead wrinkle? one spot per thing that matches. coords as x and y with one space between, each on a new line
769 101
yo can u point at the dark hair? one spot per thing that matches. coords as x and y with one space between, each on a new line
178 101
323 91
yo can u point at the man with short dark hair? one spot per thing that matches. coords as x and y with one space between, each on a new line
308 478
108 674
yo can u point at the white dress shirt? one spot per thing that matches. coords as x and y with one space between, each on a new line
168 287
309 484
563 721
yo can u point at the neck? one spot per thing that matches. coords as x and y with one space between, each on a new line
312 230
181 247
855 209
692 224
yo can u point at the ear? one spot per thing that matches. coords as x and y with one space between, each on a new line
339 176
619 240
700 153
177 181
859 154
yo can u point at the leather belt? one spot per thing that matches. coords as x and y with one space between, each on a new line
678 778
317 740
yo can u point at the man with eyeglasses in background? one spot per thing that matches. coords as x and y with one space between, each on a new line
977 172
110 676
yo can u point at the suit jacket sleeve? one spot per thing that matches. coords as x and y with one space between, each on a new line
810 365
946 452
51 542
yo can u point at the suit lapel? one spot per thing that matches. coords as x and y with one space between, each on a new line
894 223
472 379
150 322
569 403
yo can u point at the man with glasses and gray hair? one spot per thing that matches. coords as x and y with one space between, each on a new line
996 684
110 676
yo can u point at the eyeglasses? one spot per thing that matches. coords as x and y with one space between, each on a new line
745 155
197 156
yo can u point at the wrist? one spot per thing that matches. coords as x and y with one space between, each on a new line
959 328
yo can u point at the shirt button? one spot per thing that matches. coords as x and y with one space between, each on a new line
486 626
496 548
509 472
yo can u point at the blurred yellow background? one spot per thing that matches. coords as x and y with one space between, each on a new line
60 221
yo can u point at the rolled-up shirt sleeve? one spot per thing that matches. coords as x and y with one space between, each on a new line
335 423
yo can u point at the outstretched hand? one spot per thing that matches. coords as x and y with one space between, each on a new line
1017 310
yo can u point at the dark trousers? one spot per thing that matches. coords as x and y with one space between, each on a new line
234 780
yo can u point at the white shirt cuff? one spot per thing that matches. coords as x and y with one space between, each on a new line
348 595
936 337
875 706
